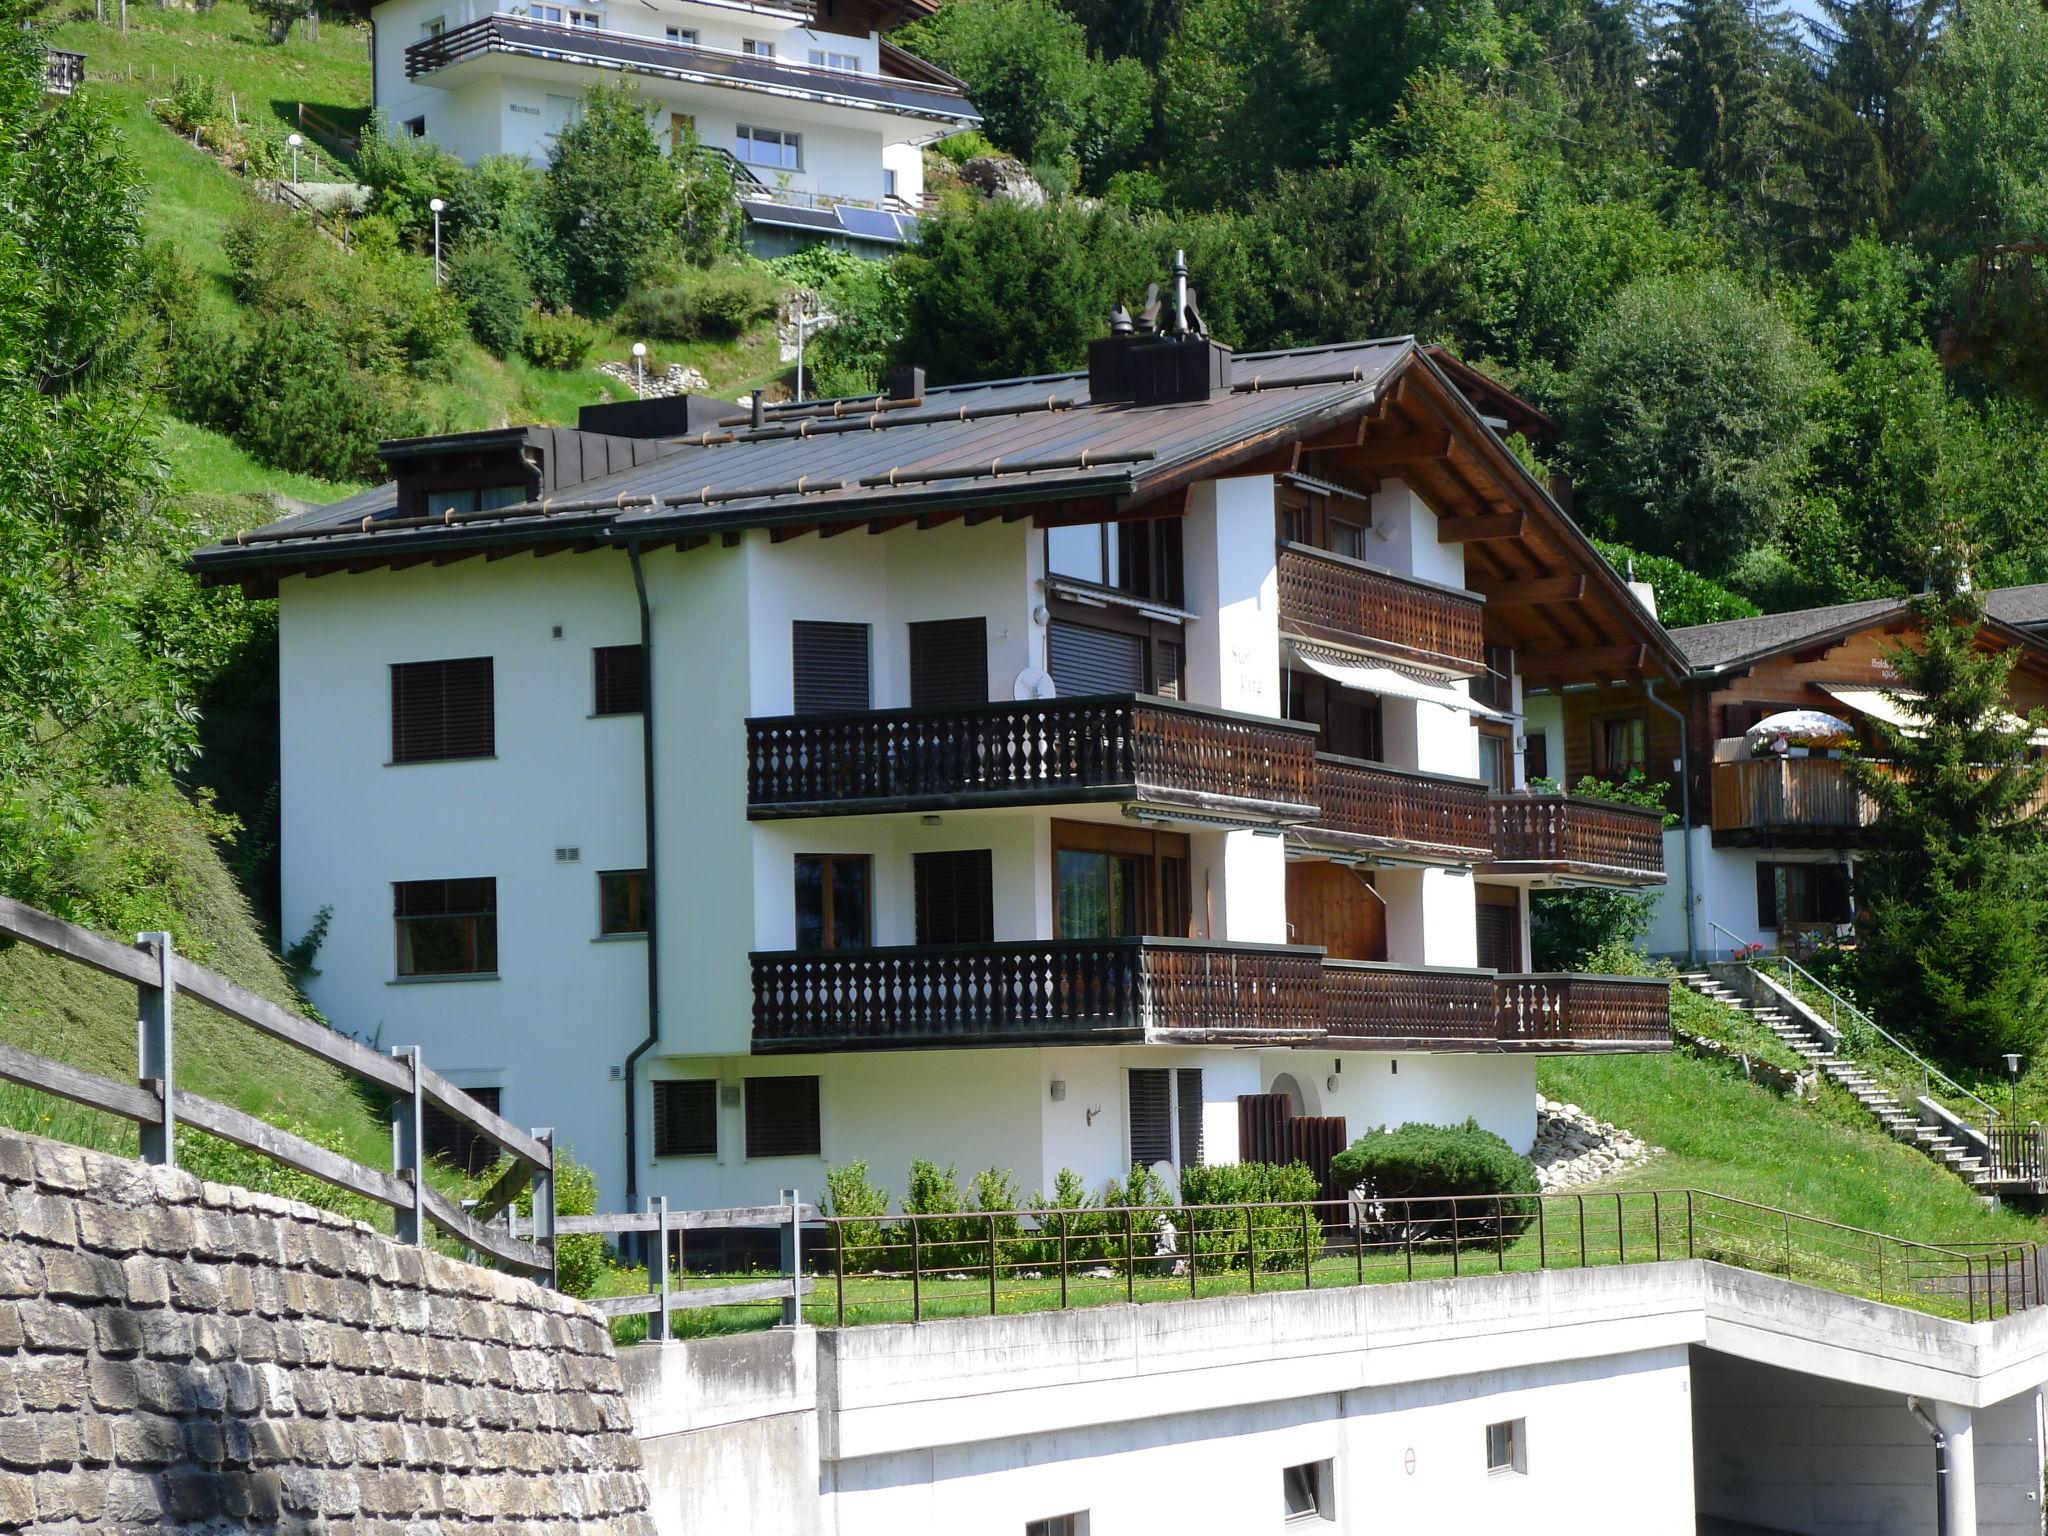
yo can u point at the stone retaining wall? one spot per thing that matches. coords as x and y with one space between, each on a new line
182 1355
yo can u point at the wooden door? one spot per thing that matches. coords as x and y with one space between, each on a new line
1330 905
1499 915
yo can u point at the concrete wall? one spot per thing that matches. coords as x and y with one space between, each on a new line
182 1356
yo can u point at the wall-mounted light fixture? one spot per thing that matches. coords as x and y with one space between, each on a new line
1059 1091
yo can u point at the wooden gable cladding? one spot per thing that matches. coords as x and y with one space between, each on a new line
1550 595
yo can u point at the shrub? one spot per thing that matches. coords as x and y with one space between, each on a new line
561 341
492 287
1279 1236
580 1258
613 201
728 299
307 407
195 100
1423 1167
848 1194
660 314
963 147
404 175
942 1243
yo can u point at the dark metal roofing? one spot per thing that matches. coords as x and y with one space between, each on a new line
954 438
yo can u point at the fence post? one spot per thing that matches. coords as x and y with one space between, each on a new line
154 1054
543 1186
793 1260
1689 1250
658 1268
408 1153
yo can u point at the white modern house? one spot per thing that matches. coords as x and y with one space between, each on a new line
823 118
1067 772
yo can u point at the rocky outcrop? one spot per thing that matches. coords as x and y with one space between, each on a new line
1573 1149
1000 176
675 379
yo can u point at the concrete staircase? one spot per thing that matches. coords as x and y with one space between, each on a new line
1899 1122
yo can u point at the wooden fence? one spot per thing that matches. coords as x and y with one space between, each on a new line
1269 1132
158 1106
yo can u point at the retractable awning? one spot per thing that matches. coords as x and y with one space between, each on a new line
1879 705
1373 677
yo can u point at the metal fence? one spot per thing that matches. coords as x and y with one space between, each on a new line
158 1106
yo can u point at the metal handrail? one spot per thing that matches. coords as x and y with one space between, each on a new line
1928 1071
1736 942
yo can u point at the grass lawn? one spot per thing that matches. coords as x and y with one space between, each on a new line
203 460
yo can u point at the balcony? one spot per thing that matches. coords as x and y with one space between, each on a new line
1787 801
1346 602
620 51
1116 747
1572 840
1370 808
1545 1012
1373 1006
1037 992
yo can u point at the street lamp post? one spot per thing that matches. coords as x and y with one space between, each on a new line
2012 1071
437 205
295 141
640 369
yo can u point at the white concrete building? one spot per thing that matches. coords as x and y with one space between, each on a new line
1055 773
821 116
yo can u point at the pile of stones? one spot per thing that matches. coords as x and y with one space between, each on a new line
676 379
1573 1149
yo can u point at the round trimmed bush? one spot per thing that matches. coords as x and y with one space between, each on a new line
1417 1173
561 341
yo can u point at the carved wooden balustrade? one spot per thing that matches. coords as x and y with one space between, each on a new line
1329 597
1369 1005
1073 991
1542 1011
1369 806
1569 836
1042 751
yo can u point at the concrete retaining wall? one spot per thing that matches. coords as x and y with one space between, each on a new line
183 1356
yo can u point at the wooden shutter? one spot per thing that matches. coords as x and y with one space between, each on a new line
830 667
621 687
1087 660
1766 895
1151 1116
1166 668
1498 950
456 1142
948 663
782 1117
686 1118
442 710
1187 1087
955 896
1831 893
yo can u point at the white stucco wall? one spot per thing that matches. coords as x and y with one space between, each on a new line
1374 1090
1233 653
1404 537
1725 902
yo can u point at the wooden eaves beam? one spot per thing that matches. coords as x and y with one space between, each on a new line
1391 452
1582 662
1530 591
1470 530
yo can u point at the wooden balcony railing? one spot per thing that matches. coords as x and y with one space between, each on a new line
1369 1005
1563 1012
63 72
1788 796
1564 835
1049 751
1329 597
1370 806
1050 991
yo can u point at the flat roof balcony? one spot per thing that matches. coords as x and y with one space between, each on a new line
1402 618
1132 748
1369 808
1374 1006
1788 802
1037 992
1567 839
461 49
1559 1012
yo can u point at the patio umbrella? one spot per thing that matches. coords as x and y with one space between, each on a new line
1798 728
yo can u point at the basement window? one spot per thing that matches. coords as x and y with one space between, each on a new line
1507 1446
1307 1494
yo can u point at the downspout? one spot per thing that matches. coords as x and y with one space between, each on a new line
1940 1464
650 904
1692 945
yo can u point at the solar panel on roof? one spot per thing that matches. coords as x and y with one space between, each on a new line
869 223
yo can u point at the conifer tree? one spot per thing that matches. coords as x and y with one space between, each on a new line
1952 945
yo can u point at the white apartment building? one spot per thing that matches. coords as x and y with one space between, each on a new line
1066 772
823 118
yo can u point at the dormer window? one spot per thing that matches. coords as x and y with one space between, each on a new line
486 498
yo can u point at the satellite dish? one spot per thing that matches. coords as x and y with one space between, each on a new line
1034 683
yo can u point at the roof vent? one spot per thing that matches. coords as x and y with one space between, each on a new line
1159 359
906 382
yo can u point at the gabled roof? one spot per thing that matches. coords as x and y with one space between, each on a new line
2009 612
2021 606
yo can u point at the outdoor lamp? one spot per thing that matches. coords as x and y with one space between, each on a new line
436 205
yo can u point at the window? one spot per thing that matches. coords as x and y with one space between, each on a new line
446 927
756 48
888 182
472 498
1495 686
948 663
620 688
1111 882
682 127
829 667
687 36
442 710
844 63
1165 1115
622 901
686 1118
434 28
1497 759
1620 746
1347 539
565 16
1506 1447
456 1142
833 902
1305 1493
1536 756
1499 917
782 1117
1143 559
416 127
1802 894
1087 660
955 897
776 148
1058 1525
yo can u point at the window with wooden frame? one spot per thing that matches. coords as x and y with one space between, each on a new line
446 927
1621 746
1497 757
686 1117
1536 756
1802 894
1737 718
829 667
1497 910
619 680
1112 881
621 901
456 1142
1111 652
1495 687
834 900
1337 525
443 711
954 891
948 663
782 1117
1350 720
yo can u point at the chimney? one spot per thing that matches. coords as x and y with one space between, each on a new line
657 416
1644 593
906 382
1165 358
